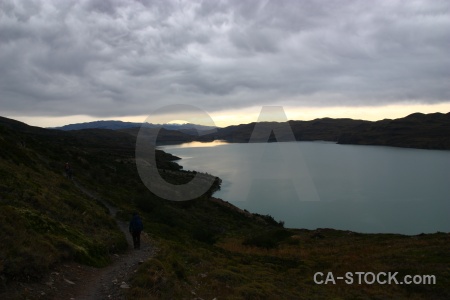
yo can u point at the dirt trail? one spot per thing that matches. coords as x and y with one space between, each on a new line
112 281
74 281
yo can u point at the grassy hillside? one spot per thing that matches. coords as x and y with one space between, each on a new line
208 248
44 219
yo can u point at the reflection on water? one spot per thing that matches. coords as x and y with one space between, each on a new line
194 145
310 185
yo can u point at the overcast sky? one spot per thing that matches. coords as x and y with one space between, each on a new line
118 59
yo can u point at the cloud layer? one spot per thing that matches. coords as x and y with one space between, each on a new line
124 57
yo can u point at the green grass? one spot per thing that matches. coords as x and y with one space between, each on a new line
231 270
44 218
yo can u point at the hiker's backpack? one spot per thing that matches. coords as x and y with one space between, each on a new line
137 224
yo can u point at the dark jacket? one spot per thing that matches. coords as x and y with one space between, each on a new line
136 224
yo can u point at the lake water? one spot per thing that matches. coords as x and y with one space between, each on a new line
312 185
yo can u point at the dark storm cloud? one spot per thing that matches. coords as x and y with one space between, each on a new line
129 57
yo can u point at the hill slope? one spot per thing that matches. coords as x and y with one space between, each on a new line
431 131
208 248
426 131
44 219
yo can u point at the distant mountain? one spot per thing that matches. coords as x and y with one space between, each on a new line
320 129
425 131
113 125
118 125
165 136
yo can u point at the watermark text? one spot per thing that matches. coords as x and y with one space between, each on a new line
373 278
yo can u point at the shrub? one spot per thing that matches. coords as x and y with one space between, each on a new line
204 235
269 239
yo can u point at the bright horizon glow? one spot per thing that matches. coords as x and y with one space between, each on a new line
249 115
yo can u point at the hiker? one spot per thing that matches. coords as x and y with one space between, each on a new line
68 170
136 227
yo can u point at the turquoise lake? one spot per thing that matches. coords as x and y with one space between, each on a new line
368 189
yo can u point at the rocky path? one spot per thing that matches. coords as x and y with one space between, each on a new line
112 281
73 281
